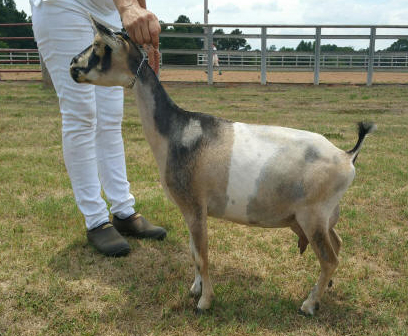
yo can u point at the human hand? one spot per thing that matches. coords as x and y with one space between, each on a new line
143 28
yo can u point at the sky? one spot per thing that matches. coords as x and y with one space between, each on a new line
384 12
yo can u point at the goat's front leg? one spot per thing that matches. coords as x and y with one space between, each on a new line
315 227
197 225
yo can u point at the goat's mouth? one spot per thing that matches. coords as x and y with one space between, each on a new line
76 74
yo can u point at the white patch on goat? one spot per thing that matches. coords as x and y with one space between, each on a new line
251 150
191 133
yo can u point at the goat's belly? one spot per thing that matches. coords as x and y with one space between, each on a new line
252 191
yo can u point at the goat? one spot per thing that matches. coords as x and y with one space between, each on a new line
265 176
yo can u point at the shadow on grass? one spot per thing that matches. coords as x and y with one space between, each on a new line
153 284
248 303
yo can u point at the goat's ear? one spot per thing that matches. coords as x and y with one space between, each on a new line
107 35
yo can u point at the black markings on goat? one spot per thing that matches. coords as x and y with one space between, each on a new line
106 59
312 154
318 238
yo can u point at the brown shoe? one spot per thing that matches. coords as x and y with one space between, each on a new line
137 226
108 241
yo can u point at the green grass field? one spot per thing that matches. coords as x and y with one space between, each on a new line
53 283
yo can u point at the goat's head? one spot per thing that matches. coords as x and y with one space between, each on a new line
111 60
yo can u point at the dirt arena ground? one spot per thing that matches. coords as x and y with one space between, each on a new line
283 77
178 75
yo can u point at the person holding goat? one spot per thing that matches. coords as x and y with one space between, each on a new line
92 115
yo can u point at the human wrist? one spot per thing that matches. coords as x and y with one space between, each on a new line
124 5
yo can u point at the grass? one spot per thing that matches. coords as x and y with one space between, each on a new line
53 283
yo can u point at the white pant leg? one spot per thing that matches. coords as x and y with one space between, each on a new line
110 151
61 33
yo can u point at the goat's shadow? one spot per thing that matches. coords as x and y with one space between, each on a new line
151 275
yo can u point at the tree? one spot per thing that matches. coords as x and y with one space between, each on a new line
10 14
305 46
230 43
286 49
3 44
335 48
310 47
218 42
181 42
399 45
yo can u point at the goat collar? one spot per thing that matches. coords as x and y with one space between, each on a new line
133 80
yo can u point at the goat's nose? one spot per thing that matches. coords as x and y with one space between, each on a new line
74 73
74 60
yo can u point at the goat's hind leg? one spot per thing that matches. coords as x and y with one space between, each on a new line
195 289
197 225
315 226
334 237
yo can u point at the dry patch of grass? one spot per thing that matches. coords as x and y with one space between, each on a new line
53 283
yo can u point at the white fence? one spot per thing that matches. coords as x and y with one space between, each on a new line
244 60
264 60
19 56
295 60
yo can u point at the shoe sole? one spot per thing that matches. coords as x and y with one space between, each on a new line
116 254
159 236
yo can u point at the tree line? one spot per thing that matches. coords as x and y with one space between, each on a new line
10 14
400 45
235 43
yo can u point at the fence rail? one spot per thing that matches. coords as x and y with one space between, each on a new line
306 61
264 60
19 56
251 60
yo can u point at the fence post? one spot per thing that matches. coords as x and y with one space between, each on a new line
371 52
210 55
317 55
263 56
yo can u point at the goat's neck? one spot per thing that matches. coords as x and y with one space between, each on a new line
156 110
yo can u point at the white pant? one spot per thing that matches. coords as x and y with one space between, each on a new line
91 115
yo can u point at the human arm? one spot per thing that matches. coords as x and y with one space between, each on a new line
142 26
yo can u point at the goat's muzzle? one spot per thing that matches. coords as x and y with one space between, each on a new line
75 68
74 73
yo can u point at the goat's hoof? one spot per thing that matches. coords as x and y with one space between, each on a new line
330 283
308 313
301 312
308 309
204 304
195 289
199 312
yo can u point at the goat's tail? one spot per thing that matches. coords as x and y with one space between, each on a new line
363 129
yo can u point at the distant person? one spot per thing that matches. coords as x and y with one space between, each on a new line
92 115
215 60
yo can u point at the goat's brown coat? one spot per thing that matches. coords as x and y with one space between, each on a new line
196 153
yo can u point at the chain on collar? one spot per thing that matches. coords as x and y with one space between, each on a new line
133 81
